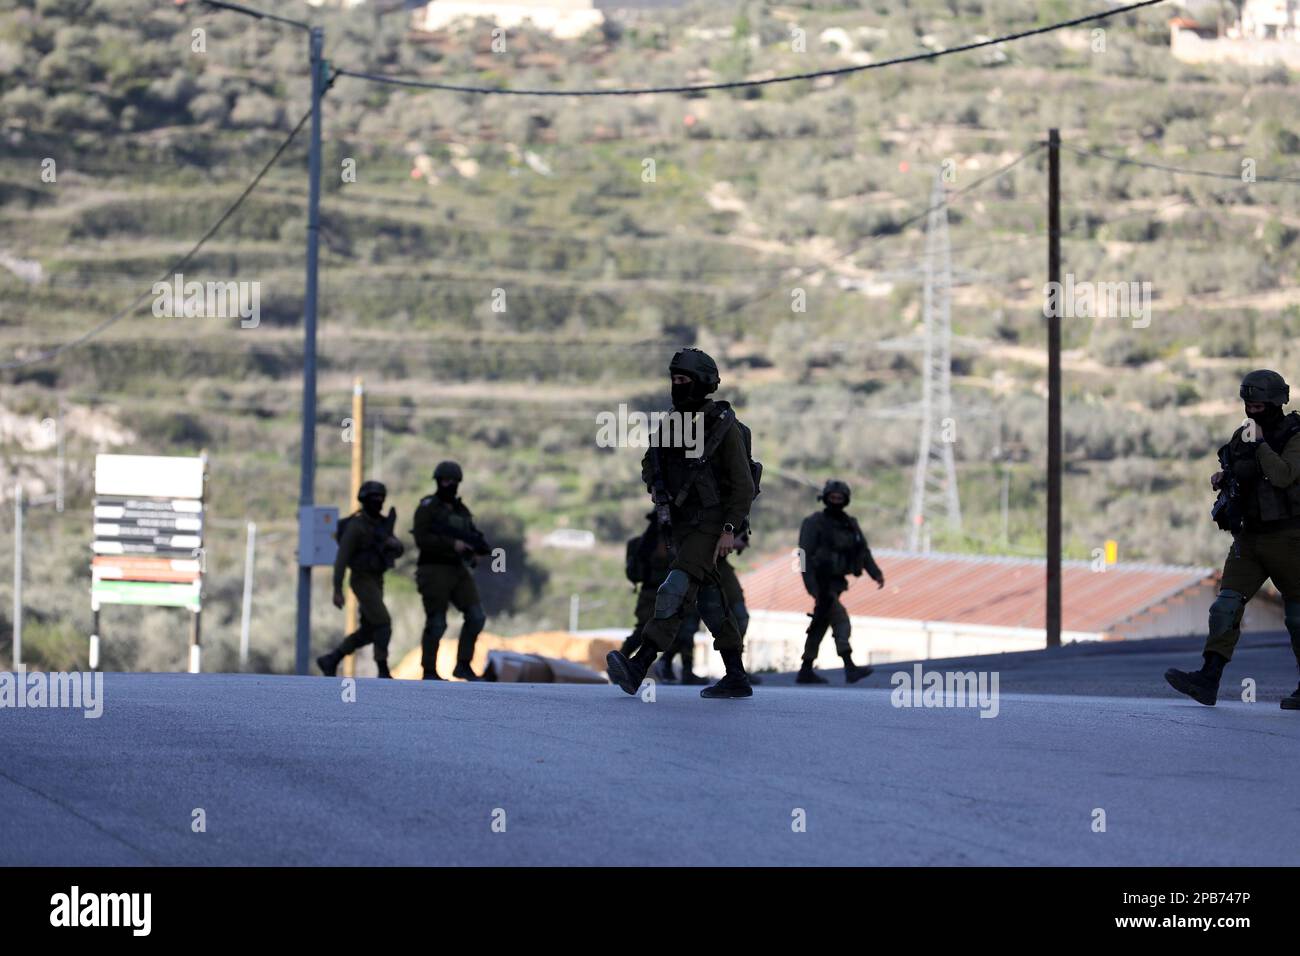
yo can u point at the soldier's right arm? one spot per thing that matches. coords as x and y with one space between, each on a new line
808 546
648 470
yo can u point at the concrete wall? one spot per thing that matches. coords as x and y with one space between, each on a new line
562 18
1190 48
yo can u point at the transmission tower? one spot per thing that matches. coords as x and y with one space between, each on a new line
934 480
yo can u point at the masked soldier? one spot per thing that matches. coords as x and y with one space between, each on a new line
833 547
734 598
448 542
367 548
1259 502
707 494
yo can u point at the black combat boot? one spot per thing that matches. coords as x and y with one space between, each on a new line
464 671
807 675
382 667
430 674
692 679
735 682
627 673
664 670
1201 686
852 672
329 663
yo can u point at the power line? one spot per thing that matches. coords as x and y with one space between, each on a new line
178 266
1178 170
739 84
256 14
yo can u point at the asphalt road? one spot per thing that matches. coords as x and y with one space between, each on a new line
286 772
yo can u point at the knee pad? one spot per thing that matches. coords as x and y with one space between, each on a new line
741 614
712 609
475 618
672 594
1226 611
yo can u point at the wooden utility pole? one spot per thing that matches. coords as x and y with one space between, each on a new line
358 476
1054 390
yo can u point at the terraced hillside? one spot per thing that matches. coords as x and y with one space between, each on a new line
462 202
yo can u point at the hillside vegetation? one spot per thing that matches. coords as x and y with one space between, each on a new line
463 201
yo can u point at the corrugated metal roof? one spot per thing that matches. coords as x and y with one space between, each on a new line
980 589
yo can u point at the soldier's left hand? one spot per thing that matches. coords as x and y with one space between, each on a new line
726 544
880 582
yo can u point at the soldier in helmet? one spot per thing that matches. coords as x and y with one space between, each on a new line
707 490
449 543
367 548
1259 502
833 547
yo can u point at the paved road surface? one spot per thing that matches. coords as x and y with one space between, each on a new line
412 773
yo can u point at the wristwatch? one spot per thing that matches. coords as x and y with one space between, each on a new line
728 529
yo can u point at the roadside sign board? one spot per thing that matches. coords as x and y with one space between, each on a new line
147 531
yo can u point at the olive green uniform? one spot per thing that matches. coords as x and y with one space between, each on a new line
443 577
717 492
833 547
359 553
654 556
1268 546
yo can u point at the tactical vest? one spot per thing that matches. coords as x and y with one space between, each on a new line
841 548
454 515
370 557
1279 504
679 471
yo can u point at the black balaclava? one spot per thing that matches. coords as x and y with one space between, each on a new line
373 505
447 490
690 396
834 508
1268 418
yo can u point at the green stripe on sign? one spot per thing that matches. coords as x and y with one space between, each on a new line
160 594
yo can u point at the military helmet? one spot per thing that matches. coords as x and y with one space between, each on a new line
833 485
1265 385
372 489
699 365
448 470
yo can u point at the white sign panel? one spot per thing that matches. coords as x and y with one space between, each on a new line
148 476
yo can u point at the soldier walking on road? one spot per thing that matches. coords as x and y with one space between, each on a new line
449 543
833 546
706 497
1259 502
367 548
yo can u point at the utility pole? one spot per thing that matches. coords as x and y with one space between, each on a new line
1054 391
18 576
307 489
358 476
